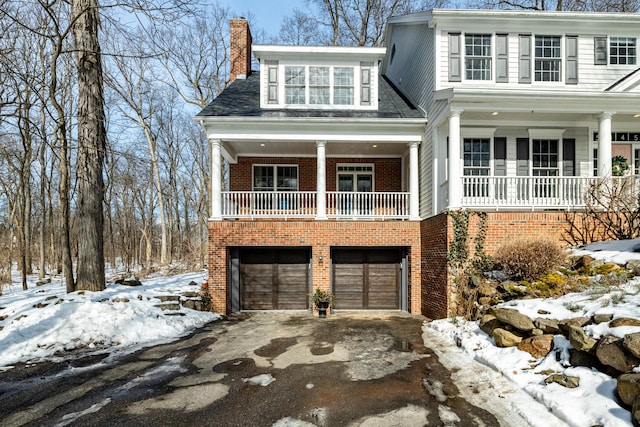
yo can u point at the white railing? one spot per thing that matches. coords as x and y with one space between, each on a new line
367 205
302 204
268 204
535 192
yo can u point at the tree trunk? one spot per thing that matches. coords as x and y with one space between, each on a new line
91 146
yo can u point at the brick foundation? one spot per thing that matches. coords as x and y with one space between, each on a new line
320 236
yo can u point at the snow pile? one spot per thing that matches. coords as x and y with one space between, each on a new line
45 323
593 402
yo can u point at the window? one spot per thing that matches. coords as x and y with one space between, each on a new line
294 85
545 157
547 59
343 85
595 162
476 156
275 178
318 85
636 161
478 56
622 51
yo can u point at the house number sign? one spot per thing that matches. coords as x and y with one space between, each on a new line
621 136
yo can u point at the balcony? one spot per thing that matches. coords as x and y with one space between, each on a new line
538 192
303 204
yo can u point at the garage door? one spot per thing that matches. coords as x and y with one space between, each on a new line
366 278
274 279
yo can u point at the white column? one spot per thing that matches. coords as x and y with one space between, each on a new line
321 182
414 183
455 175
216 180
604 144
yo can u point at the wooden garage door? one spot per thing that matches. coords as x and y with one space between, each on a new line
366 278
274 279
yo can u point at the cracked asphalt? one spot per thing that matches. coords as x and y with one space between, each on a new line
354 369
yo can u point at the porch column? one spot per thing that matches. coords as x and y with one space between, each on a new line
216 180
454 176
321 184
414 183
604 144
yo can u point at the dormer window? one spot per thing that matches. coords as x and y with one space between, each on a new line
319 77
622 50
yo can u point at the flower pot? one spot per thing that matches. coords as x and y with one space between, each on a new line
322 308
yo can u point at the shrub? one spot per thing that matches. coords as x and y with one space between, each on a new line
529 258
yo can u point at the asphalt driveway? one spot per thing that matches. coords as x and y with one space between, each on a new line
259 369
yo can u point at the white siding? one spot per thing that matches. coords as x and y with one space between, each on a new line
412 67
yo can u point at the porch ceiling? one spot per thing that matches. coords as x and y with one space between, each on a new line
499 118
279 148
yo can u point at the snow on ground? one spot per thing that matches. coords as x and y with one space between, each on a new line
46 323
593 402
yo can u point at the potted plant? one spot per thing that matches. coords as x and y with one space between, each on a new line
322 300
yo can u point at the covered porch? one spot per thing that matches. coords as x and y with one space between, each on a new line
317 169
505 150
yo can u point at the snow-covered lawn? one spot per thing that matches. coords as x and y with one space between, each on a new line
46 323
593 402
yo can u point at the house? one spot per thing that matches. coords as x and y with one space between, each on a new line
345 163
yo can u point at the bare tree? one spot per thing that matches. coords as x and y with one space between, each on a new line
301 29
560 5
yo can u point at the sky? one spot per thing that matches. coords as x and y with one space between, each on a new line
268 13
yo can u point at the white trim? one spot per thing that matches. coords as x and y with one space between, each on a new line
535 133
473 132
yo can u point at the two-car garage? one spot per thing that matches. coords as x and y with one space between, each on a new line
267 278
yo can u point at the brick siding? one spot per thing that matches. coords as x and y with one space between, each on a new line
387 172
320 236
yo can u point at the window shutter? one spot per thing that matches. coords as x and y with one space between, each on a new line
524 69
522 156
500 156
600 51
571 78
365 83
568 157
455 58
272 82
502 58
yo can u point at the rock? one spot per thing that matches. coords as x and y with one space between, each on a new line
485 301
635 412
602 318
624 321
168 306
43 281
583 261
576 321
199 306
563 380
486 290
611 352
128 282
40 305
165 298
191 294
634 267
504 338
628 388
537 346
489 322
193 283
537 331
514 318
632 343
580 340
191 304
585 359
50 297
543 312
548 326
120 300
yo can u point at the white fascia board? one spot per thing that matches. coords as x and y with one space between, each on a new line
314 52
507 100
407 130
520 20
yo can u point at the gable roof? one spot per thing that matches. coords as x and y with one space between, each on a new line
242 99
626 83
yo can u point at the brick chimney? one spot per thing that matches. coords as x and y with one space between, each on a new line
240 49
